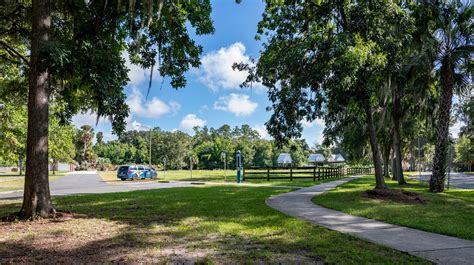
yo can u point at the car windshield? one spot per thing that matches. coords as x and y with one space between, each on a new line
123 168
133 168
141 168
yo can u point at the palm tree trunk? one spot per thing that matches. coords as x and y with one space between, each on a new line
397 148
442 132
37 198
387 148
379 180
397 151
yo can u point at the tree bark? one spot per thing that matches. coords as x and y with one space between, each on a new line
379 180
20 166
37 198
398 172
386 162
442 131
397 149
395 173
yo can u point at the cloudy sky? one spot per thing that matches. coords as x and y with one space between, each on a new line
212 96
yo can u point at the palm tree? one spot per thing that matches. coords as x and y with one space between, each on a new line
454 36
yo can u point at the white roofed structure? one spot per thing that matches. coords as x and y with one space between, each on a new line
284 158
337 158
316 158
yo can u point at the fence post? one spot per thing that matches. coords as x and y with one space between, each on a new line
291 172
268 173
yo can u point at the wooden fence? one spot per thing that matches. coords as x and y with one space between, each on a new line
315 173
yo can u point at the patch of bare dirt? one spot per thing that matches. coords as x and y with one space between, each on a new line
399 196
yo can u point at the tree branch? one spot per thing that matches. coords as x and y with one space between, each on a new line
13 52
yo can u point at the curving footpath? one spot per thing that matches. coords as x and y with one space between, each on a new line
437 248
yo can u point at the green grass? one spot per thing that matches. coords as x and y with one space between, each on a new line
449 213
211 224
213 176
469 173
11 181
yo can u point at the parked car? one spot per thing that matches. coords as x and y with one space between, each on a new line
135 172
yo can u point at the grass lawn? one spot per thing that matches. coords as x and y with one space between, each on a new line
208 224
449 213
11 181
212 176
469 173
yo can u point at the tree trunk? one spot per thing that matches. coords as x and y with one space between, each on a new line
394 165
379 180
397 149
398 172
36 198
20 166
386 160
442 131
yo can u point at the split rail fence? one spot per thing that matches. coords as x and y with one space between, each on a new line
315 173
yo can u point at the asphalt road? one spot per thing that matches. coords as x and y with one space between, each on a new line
87 182
458 180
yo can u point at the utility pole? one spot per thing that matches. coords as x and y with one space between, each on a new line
149 159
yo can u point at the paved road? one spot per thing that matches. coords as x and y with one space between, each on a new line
440 249
84 182
459 180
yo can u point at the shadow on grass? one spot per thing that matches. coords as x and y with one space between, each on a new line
187 225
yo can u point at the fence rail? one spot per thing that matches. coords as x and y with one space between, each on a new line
315 173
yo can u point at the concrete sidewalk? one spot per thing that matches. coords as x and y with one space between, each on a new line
438 248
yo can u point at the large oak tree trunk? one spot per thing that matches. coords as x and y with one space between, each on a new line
36 198
441 148
379 180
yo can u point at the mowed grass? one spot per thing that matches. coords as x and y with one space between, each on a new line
214 176
450 213
207 224
11 181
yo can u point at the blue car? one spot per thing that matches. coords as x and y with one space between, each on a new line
135 172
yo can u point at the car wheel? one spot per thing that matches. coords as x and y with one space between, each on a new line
123 179
135 177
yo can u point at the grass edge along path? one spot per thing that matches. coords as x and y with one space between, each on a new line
448 213
223 224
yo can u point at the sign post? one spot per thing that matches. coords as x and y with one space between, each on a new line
191 165
224 156
238 163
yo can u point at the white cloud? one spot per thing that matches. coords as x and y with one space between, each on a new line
190 121
238 104
154 108
262 130
138 75
216 68
108 136
317 122
455 129
88 118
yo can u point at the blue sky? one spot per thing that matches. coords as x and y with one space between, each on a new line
212 96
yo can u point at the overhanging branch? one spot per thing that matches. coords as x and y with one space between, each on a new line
13 52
